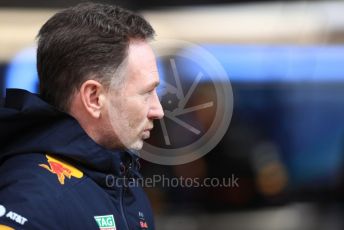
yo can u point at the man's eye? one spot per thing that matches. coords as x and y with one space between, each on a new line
151 91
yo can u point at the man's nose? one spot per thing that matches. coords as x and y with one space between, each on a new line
156 111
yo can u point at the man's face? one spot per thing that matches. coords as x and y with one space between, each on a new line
135 104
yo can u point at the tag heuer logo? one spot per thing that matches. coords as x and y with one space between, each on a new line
106 222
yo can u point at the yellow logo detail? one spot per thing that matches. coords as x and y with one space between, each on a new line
61 169
4 227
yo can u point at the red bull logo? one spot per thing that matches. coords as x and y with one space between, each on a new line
61 169
4 227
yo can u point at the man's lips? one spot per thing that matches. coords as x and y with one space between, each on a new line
146 132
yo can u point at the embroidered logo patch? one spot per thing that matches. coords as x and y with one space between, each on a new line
4 227
143 223
106 222
61 169
11 215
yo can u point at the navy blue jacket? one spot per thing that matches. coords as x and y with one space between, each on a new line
54 176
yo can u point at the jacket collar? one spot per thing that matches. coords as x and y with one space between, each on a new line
32 125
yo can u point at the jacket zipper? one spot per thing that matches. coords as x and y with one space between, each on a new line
122 206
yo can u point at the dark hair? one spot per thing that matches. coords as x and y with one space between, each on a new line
88 41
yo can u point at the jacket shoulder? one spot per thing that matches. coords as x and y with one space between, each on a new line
34 172
31 191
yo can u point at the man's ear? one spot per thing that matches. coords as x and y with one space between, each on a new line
92 97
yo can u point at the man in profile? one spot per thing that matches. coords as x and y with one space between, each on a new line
97 102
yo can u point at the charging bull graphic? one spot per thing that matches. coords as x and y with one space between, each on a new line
61 169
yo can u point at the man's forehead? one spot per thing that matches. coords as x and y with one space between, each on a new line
152 78
143 80
142 67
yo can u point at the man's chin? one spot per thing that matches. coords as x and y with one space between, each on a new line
137 145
